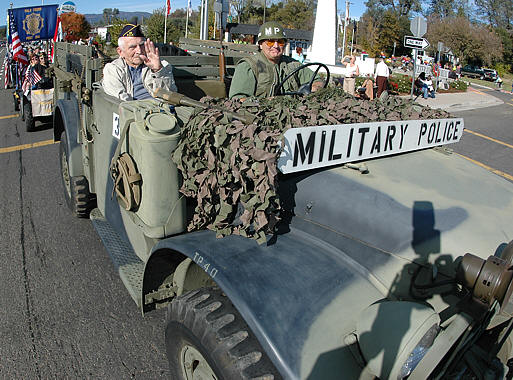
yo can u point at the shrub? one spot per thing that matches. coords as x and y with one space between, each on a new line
459 85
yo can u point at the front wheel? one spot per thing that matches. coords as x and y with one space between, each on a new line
76 189
206 338
30 124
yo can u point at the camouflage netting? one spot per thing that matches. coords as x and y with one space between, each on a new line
229 168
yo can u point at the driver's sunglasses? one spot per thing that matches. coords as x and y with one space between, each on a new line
281 42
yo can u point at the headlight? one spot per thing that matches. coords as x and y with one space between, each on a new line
395 335
489 280
418 352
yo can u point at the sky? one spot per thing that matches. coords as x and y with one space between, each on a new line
356 7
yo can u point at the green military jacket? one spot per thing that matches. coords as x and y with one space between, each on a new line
257 76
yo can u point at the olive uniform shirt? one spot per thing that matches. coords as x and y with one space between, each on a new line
244 83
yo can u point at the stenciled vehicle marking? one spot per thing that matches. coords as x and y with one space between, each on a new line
200 260
115 125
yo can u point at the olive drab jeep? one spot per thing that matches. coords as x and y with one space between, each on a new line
398 269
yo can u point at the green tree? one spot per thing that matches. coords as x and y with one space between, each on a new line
3 30
175 25
107 14
115 29
506 36
400 7
442 8
295 14
379 28
474 43
498 13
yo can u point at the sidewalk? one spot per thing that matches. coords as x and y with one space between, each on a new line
461 101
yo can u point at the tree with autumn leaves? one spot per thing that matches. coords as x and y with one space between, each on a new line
74 26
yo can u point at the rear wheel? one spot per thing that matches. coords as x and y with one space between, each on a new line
29 119
76 189
206 338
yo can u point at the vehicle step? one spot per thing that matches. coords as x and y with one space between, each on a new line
129 266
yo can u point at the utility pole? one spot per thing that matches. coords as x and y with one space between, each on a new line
352 38
345 25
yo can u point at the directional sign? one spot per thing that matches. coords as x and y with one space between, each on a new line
418 26
415 42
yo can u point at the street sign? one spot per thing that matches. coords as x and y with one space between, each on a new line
415 42
418 26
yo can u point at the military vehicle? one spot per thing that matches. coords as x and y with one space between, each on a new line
392 268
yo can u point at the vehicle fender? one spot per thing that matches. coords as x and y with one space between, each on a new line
67 118
282 289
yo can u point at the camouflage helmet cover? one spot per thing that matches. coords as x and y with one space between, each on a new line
270 30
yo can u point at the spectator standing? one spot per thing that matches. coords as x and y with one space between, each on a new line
300 55
352 72
381 76
498 82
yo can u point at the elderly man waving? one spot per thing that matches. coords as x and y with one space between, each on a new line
138 71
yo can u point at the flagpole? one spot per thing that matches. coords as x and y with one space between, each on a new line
186 22
165 24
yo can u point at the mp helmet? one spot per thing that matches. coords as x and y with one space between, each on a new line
271 30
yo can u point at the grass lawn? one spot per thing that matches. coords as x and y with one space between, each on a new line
506 84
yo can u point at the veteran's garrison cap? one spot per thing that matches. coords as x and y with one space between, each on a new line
131 30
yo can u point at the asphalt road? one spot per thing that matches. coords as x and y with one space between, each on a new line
488 138
64 311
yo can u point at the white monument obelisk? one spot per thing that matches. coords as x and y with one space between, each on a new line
324 44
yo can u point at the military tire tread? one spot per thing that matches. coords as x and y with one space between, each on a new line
84 201
210 316
81 202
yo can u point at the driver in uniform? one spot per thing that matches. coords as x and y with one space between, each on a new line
261 74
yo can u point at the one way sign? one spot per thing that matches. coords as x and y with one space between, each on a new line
415 42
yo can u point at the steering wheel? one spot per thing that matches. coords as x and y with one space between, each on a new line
306 88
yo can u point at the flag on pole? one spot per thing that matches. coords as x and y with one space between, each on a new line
7 69
34 23
17 50
189 8
57 36
168 7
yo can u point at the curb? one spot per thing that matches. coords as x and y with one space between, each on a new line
490 88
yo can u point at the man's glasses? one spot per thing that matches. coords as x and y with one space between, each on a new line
270 43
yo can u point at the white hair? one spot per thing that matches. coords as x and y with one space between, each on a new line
121 42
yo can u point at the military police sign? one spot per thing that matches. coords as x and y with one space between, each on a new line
315 147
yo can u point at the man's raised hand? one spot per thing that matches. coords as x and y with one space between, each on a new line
152 56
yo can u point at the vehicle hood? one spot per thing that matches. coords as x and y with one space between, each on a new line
427 206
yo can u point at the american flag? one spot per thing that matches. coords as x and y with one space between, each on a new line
57 36
32 76
17 50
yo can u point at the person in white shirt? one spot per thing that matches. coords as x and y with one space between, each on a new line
352 72
426 85
381 76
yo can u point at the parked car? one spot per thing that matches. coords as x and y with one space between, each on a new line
472 72
490 74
